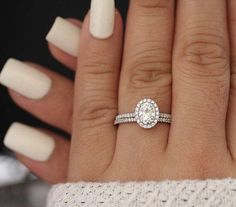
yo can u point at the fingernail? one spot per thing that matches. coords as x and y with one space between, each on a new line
102 18
65 36
29 142
25 79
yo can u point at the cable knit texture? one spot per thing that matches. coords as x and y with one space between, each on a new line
191 193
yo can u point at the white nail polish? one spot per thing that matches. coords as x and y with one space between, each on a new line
25 79
102 18
29 142
65 36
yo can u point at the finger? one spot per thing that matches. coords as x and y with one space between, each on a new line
44 153
94 134
55 107
231 119
146 71
63 41
200 78
69 61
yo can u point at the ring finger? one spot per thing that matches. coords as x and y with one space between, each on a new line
146 71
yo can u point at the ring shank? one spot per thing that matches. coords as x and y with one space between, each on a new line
130 118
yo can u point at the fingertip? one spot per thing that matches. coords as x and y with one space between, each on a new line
25 79
102 19
87 36
29 142
65 35
54 170
62 48
59 100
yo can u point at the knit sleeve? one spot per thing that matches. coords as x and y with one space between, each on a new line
192 193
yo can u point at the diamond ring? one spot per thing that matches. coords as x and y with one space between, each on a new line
146 115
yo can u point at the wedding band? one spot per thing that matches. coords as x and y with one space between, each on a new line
146 115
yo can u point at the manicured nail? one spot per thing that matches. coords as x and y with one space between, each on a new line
65 36
102 18
25 79
29 142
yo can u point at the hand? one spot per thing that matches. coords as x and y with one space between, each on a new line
189 72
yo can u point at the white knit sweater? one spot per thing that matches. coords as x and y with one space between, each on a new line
191 193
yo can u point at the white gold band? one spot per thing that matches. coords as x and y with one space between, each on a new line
130 117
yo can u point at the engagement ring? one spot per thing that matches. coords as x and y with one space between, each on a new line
146 114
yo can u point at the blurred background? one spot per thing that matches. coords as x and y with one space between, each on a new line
24 25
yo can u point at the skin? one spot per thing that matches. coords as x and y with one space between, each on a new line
182 54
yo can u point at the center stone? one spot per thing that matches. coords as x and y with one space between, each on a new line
147 113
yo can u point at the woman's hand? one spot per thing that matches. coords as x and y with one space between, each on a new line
54 108
186 64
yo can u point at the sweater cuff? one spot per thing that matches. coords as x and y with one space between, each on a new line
148 194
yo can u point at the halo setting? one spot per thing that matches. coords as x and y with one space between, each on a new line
147 113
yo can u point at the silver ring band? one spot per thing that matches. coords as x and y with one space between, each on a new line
146 114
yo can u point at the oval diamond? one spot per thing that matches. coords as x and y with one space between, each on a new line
147 113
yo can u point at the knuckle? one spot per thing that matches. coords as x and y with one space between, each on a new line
206 55
153 4
149 68
97 64
96 111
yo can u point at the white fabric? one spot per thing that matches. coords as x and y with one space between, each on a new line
191 193
11 171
